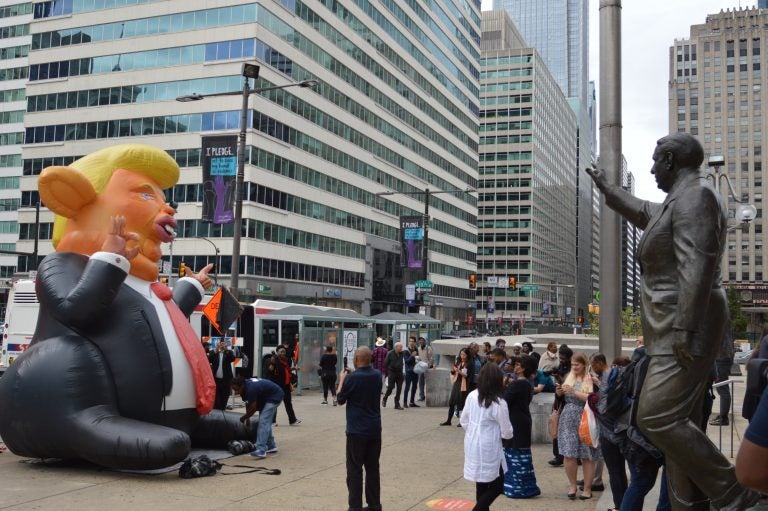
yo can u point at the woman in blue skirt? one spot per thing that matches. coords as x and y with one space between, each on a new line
520 480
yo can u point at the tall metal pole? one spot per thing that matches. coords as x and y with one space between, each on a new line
234 281
426 234
610 161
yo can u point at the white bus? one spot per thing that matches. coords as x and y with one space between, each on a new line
20 321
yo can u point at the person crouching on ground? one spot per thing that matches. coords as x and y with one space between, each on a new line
486 421
263 396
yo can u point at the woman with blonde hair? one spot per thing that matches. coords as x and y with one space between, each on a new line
575 390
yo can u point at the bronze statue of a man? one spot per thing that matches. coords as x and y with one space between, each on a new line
684 310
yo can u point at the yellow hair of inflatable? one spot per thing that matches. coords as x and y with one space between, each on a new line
99 166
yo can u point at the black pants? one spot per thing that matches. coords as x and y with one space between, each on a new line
363 452
486 493
329 383
223 388
392 380
617 470
724 393
288 404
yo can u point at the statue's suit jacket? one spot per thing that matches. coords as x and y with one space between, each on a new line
680 254
87 298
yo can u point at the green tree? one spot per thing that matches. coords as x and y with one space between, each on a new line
739 320
630 323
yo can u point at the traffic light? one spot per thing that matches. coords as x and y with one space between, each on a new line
580 320
512 283
182 269
591 308
164 280
472 281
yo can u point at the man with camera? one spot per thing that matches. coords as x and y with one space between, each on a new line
221 360
359 390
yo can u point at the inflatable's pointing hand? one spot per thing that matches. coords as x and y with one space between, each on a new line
117 240
202 276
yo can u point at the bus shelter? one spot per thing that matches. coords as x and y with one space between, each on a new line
319 327
400 326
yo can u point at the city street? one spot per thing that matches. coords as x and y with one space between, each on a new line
420 462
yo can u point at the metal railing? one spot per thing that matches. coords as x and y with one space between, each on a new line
733 415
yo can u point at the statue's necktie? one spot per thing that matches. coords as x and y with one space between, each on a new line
205 387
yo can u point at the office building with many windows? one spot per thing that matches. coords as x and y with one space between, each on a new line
718 86
396 108
559 31
527 202
14 48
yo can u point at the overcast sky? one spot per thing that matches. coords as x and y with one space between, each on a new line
649 28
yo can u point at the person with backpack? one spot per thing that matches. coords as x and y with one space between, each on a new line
616 415
614 459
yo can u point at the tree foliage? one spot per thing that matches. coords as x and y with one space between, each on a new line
739 320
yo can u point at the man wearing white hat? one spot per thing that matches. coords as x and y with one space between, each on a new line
378 357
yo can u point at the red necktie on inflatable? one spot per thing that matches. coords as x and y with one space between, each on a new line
205 387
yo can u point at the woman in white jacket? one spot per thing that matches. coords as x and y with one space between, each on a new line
485 420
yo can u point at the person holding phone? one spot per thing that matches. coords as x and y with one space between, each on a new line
461 376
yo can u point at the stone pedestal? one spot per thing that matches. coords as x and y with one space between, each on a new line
541 407
437 386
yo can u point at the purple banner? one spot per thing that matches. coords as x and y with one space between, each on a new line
219 176
412 241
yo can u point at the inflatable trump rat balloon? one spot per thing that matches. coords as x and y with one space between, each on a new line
114 373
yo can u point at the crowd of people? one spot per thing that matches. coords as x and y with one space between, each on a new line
491 392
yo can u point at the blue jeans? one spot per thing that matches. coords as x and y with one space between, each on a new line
641 482
264 438
411 382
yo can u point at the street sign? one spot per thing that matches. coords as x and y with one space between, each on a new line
529 287
423 286
492 281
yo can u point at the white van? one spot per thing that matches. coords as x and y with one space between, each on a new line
20 321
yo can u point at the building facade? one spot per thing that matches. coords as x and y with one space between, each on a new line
527 202
395 109
14 48
716 93
559 31
630 237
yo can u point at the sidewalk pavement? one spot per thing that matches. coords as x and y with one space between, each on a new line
420 461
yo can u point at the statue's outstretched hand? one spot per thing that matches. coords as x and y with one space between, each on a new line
598 176
202 276
117 240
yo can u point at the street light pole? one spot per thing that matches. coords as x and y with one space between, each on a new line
248 71
234 280
218 258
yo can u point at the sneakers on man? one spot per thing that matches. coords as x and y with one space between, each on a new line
324 403
719 421
272 450
296 422
414 405
556 462
258 453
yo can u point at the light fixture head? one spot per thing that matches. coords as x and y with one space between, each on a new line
191 97
308 83
717 160
250 70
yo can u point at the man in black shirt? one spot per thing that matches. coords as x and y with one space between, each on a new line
394 365
360 391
